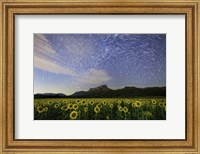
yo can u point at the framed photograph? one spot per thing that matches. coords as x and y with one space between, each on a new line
99 76
82 66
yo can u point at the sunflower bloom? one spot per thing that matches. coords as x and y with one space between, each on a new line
127 101
49 103
75 106
91 102
83 102
119 101
153 102
104 103
120 109
160 104
40 109
133 104
77 101
70 106
97 109
56 106
45 109
125 109
99 105
64 108
164 104
73 115
138 104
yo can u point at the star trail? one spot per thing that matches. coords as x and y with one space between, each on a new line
66 63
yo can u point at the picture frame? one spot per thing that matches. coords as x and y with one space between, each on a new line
40 7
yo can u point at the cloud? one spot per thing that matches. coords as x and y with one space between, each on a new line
42 45
49 66
46 58
94 76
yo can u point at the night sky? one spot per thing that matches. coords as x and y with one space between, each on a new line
66 63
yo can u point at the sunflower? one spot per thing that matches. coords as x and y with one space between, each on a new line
147 102
138 104
73 115
97 109
85 109
104 103
125 109
49 103
164 104
64 108
70 106
161 104
99 105
127 101
56 106
78 101
91 102
75 107
153 102
83 102
40 109
133 104
120 109
43 105
111 105
45 109
119 101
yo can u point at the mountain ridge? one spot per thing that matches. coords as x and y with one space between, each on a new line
104 92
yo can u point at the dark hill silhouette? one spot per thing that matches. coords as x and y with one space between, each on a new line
50 95
105 92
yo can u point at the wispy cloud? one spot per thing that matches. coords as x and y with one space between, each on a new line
42 45
49 66
46 58
94 76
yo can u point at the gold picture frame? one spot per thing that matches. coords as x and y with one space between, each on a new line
9 8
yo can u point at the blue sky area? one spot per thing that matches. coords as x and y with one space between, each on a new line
66 63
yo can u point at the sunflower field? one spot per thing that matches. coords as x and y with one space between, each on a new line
99 109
